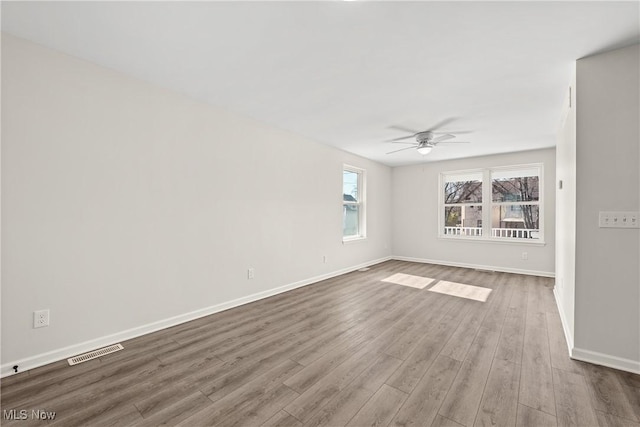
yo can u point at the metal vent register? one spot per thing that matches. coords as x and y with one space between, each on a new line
94 354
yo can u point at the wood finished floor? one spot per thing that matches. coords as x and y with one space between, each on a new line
352 350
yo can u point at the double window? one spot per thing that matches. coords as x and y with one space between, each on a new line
353 203
492 204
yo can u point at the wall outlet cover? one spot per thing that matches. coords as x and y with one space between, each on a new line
40 318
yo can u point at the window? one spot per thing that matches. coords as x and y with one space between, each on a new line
463 204
353 205
515 203
492 204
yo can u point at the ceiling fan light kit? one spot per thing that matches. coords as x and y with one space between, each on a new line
424 149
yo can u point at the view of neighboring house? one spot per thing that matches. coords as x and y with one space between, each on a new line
519 212
349 215
514 205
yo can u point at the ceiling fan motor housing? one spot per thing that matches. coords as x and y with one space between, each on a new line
424 137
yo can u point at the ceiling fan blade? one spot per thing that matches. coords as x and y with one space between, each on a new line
402 149
400 139
402 142
403 129
455 132
453 142
442 123
444 137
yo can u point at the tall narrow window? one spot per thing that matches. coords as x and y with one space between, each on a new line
462 208
353 206
515 203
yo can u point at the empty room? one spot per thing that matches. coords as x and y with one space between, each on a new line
320 213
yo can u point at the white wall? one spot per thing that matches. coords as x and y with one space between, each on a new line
566 215
607 288
125 204
415 217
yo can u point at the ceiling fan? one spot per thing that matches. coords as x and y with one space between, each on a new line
427 139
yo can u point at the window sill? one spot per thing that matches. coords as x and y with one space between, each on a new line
353 239
505 241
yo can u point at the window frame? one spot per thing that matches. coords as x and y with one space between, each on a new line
488 205
360 203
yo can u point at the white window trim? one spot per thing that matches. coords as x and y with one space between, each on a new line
487 205
361 203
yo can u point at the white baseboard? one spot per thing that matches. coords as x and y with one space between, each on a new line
593 356
63 353
563 319
477 266
606 360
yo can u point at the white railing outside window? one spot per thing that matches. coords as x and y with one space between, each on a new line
515 233
463 231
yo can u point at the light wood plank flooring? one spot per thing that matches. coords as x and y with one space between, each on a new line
353 350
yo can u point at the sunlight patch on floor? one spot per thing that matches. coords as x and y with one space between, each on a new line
461 290
409 280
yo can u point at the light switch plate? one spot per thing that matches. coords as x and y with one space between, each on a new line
618 219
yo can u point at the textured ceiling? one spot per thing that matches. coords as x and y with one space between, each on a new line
341 73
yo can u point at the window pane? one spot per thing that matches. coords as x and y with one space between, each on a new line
515 185
350 186
463 220
515 221
350 220
463 188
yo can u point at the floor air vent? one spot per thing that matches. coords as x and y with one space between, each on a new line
94 354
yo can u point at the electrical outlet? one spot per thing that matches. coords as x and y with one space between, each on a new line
40 318
525 255
251 273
